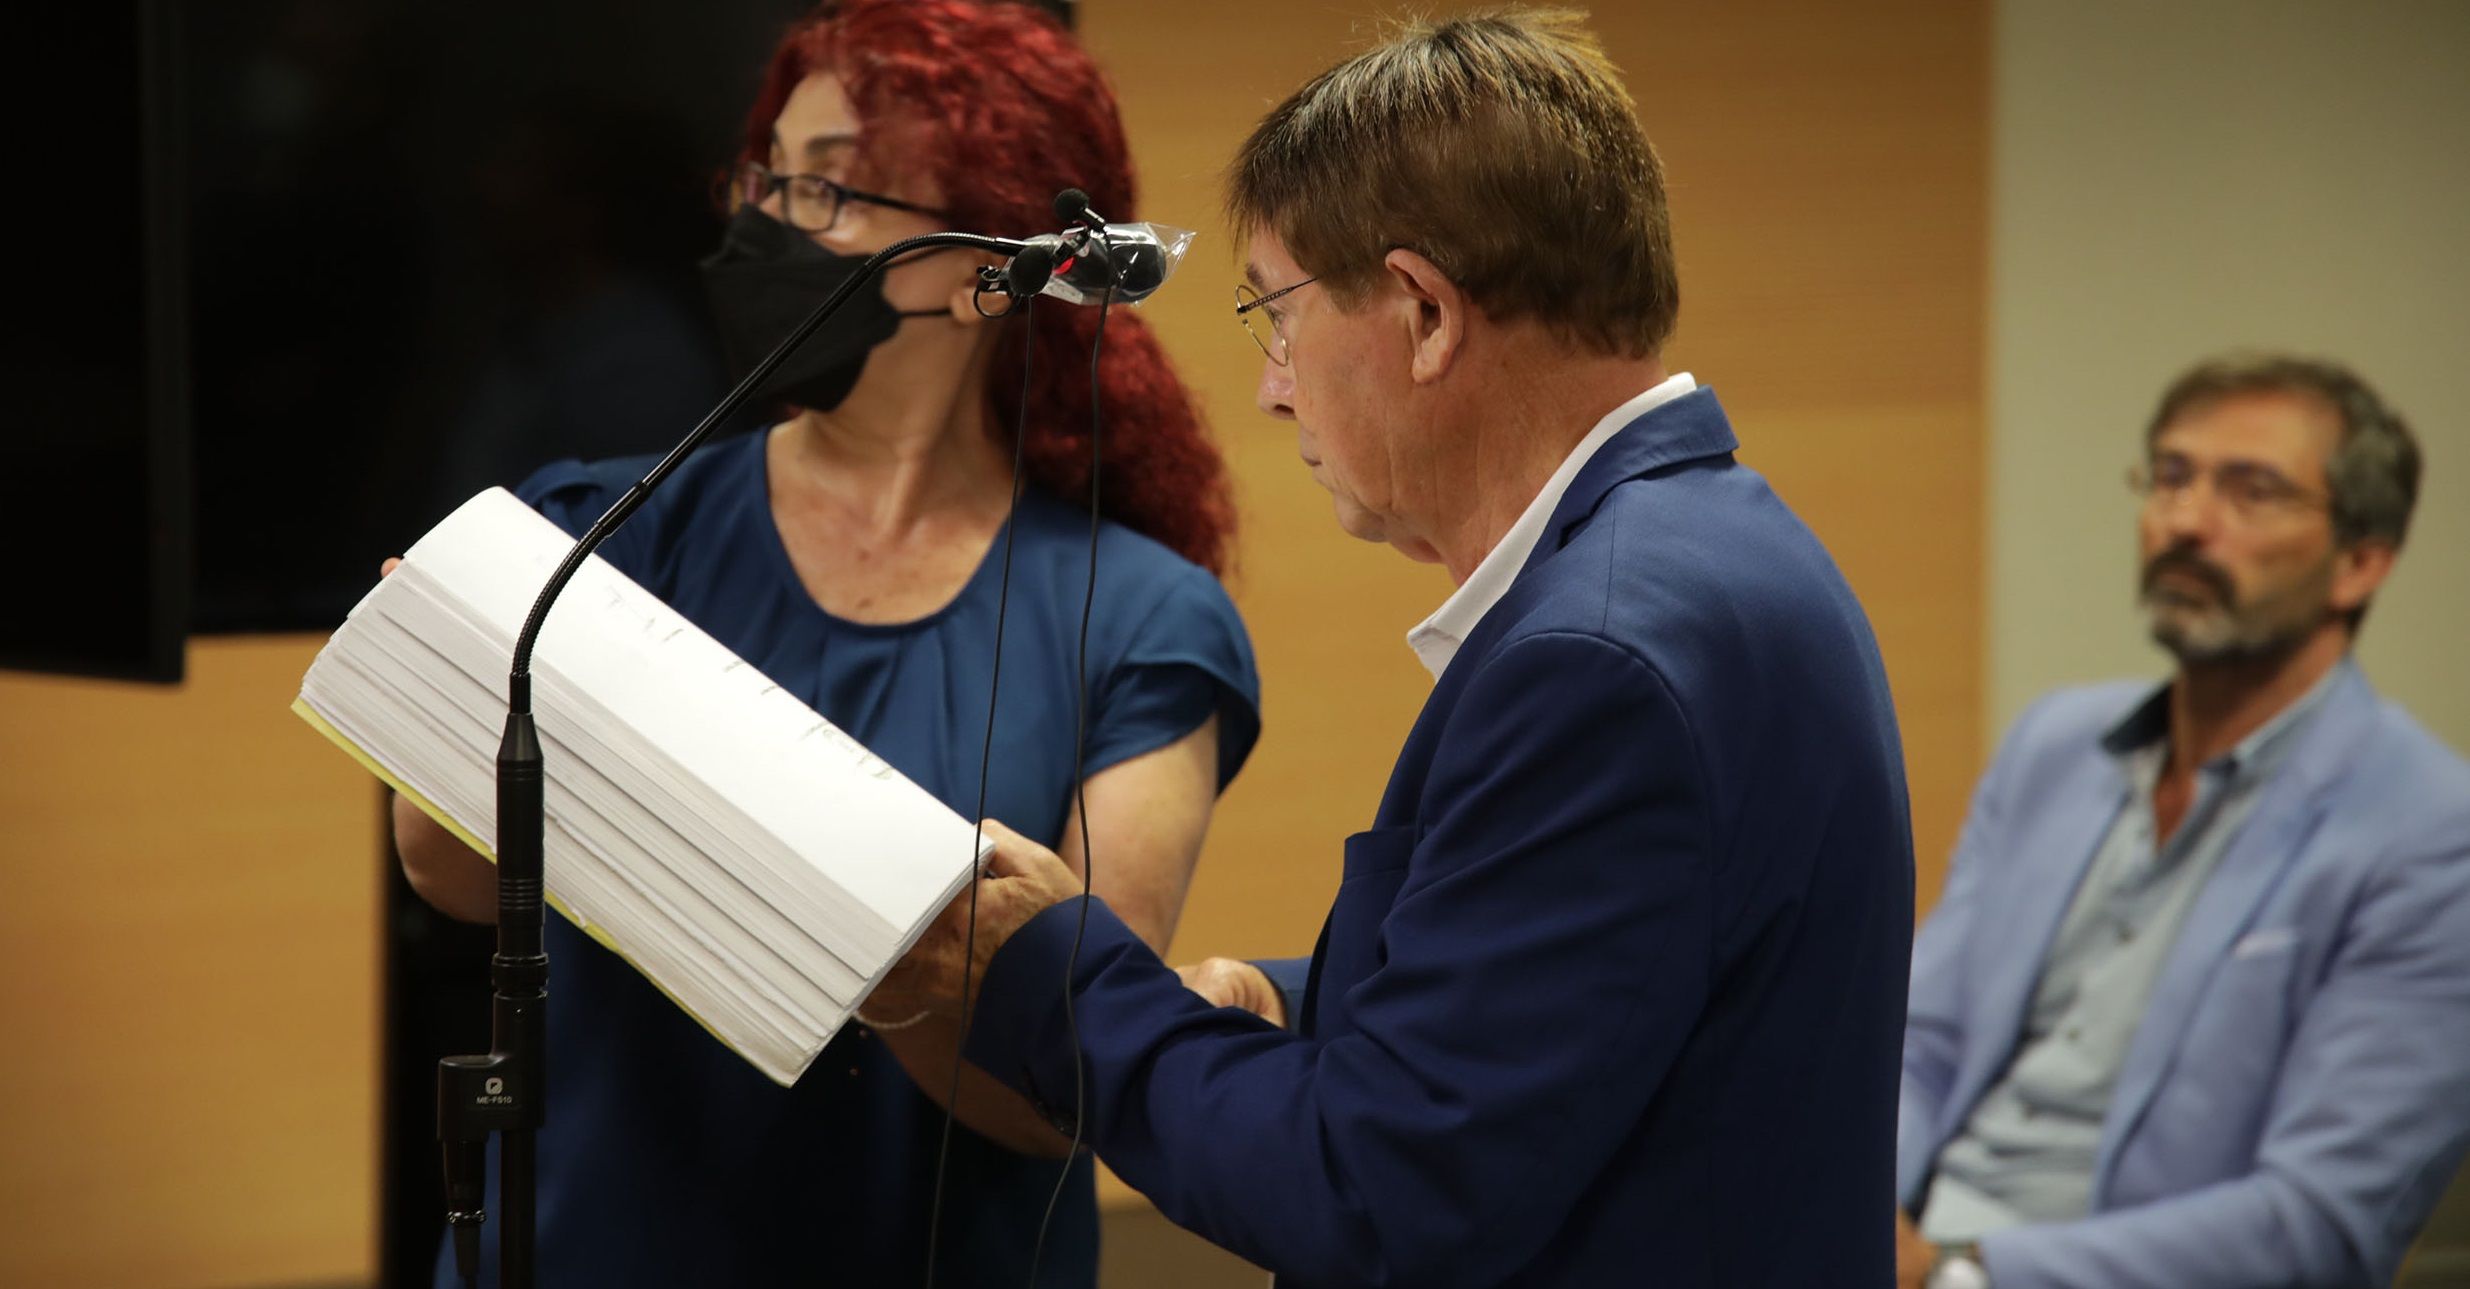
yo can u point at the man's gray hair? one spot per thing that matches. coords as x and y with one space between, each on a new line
2373 473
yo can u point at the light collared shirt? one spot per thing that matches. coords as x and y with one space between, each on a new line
2026 1154
1436 639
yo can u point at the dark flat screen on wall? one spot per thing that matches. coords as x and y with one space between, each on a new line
94 518
438 243
305 274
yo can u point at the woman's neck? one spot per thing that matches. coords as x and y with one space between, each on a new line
889 463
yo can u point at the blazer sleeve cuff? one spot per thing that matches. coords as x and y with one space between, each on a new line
1289 975
1019 1032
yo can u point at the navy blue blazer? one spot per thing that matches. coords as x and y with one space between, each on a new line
1612 990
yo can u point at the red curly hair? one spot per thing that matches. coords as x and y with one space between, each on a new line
1009 111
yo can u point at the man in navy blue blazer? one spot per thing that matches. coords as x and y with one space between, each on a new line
1611 990
2194 1010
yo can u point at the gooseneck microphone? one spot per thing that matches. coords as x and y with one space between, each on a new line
504 1092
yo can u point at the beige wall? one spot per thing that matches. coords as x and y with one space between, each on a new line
2174 179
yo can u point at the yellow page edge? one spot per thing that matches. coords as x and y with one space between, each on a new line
301 708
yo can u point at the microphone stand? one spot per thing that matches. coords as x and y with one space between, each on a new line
505 1091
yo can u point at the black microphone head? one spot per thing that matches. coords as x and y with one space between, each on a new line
1029 270
1140 268
1071 206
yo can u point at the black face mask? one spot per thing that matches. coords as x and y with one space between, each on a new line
763 281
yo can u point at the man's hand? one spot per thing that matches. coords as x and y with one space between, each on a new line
1023 880
1231 982
1913 1255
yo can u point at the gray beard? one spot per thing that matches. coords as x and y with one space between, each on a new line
2225 632
2220 637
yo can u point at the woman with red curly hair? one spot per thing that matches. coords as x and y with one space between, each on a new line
856 552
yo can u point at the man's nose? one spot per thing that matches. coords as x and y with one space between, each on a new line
1275 394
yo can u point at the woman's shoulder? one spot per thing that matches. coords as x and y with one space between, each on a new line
1166 641
573 493
1133 568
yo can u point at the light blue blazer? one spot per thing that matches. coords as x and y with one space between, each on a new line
2298 1092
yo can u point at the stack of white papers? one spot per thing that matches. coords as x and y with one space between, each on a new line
757 864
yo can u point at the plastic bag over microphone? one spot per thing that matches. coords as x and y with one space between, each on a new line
1134 259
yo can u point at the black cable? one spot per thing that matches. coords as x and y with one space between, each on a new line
986 759
1080 796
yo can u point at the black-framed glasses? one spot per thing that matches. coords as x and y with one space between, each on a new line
810 203
2250 490
1269 335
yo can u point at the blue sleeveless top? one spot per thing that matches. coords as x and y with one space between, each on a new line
667 1159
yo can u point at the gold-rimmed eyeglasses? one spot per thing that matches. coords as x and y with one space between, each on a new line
1264 324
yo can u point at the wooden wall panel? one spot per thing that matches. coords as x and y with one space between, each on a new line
189 900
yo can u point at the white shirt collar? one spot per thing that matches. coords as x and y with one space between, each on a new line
1436 639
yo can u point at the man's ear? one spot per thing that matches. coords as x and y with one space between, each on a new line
1434 309
2358 569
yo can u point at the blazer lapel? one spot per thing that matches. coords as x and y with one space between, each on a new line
1688 428
2080 811
2265 849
